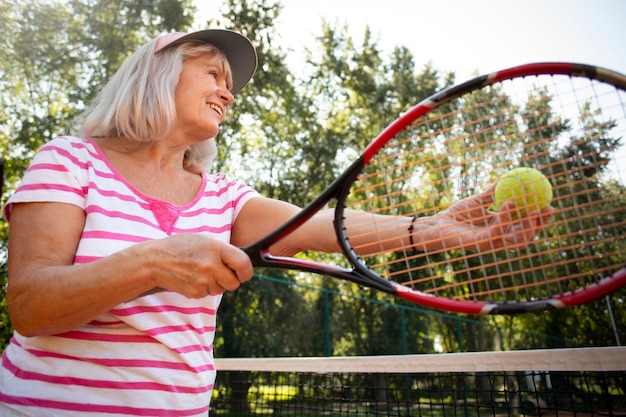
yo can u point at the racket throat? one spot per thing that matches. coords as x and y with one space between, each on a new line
265 260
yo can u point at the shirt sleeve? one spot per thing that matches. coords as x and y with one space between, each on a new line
56 174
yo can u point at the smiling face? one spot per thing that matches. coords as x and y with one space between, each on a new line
202 96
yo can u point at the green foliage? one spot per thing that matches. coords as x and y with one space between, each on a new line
6 330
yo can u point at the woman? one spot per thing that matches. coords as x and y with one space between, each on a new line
121 243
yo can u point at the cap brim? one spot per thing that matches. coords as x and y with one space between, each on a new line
238 49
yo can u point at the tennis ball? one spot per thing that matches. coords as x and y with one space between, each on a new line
528 188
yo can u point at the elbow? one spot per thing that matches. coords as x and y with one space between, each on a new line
19 322
21 327
20 315
26 327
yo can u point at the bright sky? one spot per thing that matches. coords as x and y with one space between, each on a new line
464 36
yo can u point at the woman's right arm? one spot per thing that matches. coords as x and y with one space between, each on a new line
47 294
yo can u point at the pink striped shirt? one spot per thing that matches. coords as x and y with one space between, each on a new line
149 357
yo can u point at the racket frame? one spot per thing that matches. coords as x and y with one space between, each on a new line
340 189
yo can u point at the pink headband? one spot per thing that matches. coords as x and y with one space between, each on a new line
165 40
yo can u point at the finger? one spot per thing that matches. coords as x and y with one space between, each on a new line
220 280
226 281
236 268
474 209
239 263
515 233
486 197
505 216
531 227
538 220
546 213
541 219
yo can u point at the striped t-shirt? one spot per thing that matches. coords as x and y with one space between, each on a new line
148 357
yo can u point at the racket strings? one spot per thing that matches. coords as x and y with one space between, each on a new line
567 128
435 167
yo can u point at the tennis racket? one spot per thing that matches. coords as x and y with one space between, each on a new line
565 120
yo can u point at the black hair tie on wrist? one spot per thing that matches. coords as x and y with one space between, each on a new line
411 233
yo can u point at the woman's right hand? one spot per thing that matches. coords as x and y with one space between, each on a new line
196 265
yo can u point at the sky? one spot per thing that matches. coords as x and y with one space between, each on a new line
464 36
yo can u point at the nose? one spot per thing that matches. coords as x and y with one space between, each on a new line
226 96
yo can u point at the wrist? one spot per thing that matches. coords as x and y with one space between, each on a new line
411 228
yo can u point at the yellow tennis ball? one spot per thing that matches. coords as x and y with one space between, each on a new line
528 188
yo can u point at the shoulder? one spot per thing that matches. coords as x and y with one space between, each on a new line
228 191
67 142
70 149
57 173
222 184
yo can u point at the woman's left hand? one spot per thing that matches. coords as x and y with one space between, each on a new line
476 227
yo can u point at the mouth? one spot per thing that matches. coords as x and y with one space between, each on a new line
218 109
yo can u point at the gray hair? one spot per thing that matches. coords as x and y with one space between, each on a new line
138 101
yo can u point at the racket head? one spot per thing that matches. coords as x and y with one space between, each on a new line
565 120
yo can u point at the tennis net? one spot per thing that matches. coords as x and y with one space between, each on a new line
553 382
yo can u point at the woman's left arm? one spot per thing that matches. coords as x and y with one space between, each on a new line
467 224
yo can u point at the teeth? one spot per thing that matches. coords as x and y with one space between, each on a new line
216 108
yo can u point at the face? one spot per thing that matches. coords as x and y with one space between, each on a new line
202 96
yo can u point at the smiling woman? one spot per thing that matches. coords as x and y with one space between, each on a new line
122 208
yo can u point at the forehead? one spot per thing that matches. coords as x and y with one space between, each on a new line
209 54
213 59
206 59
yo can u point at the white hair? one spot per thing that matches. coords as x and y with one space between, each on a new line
138 102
